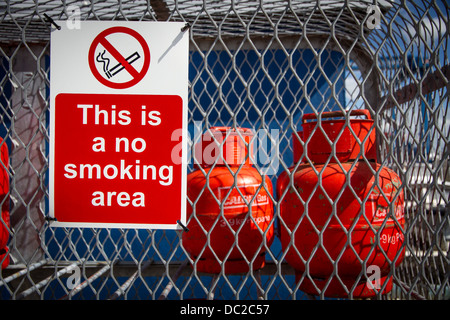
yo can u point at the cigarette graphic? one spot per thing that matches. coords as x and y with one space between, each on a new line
118 67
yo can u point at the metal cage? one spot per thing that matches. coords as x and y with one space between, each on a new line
255 64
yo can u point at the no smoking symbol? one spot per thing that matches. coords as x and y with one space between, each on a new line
119 57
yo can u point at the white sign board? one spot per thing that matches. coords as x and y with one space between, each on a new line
119 93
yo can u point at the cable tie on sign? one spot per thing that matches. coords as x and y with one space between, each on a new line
52 21
186 26
50 219
185 229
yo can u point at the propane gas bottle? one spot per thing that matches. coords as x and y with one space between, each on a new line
344 211
4 201
230 209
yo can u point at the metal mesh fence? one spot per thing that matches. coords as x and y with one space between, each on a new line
262 65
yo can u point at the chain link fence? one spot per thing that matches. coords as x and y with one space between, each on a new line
262 65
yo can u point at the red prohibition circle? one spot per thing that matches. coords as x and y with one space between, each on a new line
136 75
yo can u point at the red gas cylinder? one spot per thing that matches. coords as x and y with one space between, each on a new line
4 201
343 214
230 218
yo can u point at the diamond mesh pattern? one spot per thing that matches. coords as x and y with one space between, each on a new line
255 64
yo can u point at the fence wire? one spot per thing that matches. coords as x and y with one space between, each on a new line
252 64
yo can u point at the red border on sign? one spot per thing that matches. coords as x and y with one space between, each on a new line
101 39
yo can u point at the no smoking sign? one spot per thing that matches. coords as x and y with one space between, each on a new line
118 109
119 57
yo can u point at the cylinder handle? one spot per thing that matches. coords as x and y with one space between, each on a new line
334 114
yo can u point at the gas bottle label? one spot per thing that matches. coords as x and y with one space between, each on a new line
236 222
243 198
392 239
380 212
